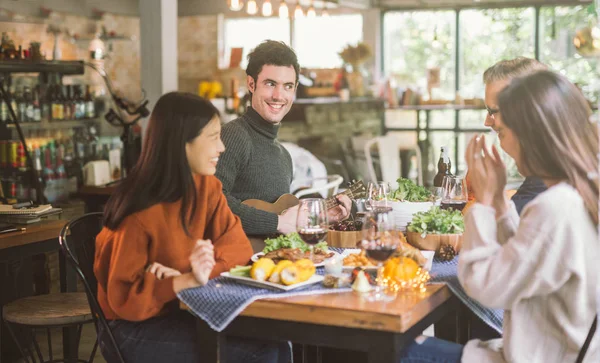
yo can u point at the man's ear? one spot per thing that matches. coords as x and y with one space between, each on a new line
250 83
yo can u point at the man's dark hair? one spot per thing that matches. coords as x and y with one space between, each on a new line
271 52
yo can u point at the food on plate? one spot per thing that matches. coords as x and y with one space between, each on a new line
361 284
404 250
297 272
262 269
242 271
276 274
285 272
358 260
408 191
295 254
290 240
408 250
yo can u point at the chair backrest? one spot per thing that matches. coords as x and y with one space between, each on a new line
389 158
329 188
78 244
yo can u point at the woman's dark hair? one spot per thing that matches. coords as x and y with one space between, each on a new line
551 120
271 52
162 173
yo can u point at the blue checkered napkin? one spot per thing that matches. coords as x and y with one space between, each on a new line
446 272
223 299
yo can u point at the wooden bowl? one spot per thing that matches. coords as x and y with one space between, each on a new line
343 239
433 242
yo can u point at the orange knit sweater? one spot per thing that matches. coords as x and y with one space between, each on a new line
125 290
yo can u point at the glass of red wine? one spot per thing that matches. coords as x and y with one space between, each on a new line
312 223
454 193
380 241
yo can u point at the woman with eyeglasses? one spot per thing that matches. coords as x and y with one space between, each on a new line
541 267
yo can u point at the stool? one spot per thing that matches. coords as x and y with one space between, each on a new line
48 311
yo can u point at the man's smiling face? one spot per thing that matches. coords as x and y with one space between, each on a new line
273 92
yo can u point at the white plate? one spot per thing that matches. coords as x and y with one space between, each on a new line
269 285
427 254
258 255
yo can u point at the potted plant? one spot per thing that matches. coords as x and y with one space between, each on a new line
356 56
407 200
437 230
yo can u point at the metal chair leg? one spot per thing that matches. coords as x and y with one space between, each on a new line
37 346
49 335
12 334
93 355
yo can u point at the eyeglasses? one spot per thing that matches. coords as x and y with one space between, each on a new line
491 112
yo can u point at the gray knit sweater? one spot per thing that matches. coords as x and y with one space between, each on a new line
254 166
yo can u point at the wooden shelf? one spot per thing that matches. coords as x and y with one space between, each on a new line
54 125
28 66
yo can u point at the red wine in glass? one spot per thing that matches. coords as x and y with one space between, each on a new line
380 253
312 236
453 204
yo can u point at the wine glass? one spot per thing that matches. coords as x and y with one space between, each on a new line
378 197
312 223
454 193
380 241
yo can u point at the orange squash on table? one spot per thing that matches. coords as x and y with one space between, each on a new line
400 269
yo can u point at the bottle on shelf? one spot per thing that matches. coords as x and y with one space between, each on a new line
37 111
444 166
79 103
90 111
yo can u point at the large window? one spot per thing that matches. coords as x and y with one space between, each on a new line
318 40
557 29
247 33
415 42
487 36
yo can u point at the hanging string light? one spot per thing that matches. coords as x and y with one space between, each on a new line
267 8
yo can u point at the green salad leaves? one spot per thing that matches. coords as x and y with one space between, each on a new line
437 221
290 240
408 191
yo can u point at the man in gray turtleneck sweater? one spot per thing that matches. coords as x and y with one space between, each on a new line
255 165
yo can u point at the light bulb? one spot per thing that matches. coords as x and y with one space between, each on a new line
252 8
311 13
267 9
298 13
284 12
236 5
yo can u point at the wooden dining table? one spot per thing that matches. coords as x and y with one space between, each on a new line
343 320
40 238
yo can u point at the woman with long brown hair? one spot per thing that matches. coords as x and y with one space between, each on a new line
167 228
541 267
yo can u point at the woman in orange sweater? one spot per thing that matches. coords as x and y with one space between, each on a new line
167 228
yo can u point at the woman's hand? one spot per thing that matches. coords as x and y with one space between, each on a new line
202 260
341 211
162 271
487 172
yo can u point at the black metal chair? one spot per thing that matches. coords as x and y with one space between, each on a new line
78 244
